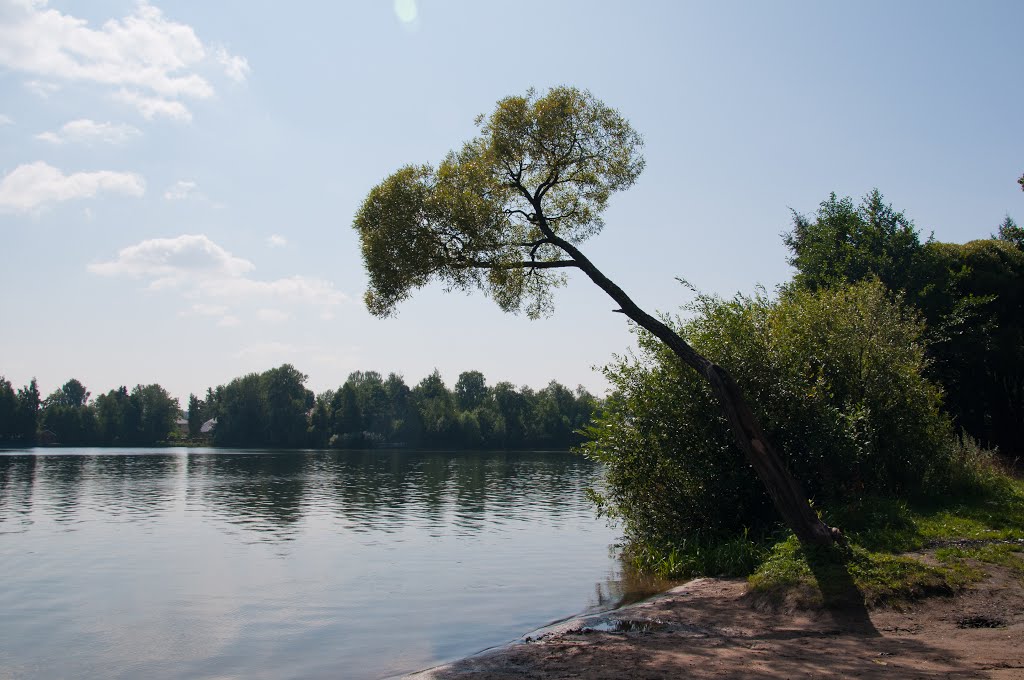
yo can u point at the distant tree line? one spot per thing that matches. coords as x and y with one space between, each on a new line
143 416
274 409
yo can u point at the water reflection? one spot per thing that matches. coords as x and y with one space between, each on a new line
65 488
261 492
182 563
17 479
276 494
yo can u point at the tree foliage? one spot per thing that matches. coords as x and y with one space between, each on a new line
262 409
837 379
367 410
19 412
66 414
1009 231
473 222
847 242
197 411
971 296
142 417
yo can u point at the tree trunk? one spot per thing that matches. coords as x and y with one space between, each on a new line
785 491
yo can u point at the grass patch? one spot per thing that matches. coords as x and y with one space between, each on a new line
1003 554
965 532
701 556
853 575
878 530
888 525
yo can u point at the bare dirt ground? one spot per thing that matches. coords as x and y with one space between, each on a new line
711 628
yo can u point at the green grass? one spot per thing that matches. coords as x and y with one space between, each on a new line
999 553
853 575
879 530
894 526
872 569
701 556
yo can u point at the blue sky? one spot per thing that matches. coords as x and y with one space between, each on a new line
178 180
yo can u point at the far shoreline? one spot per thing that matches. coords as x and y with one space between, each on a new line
178 445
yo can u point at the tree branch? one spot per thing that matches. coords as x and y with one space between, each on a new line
536 245
551 264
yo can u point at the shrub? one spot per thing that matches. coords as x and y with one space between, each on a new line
835 376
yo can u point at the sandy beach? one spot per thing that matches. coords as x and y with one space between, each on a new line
713 628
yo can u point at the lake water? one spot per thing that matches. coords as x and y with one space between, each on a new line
200 563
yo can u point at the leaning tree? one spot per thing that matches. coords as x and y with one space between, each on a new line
505 214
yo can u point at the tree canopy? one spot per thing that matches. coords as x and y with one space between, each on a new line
845 243
971 296
1009 231
493 215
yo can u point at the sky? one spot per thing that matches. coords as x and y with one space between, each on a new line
178 180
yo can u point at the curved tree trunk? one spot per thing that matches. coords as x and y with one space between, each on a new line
785 491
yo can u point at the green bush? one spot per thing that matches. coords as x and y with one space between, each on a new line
835 376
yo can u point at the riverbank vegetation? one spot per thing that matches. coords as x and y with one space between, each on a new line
274 409
891 372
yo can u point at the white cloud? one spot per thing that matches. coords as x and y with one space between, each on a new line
212 310
89 131
277 241
236 67
213 278
180 190
173 261
291 289
209 310
272 315
154 107
34 185
6 120
41 88
146 53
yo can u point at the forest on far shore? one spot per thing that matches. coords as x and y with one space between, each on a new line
274 409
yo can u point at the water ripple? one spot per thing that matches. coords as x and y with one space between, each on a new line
176 563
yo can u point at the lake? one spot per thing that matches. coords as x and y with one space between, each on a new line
204 563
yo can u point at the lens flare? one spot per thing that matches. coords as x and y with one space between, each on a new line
405 10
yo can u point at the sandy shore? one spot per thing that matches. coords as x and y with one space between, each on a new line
711 628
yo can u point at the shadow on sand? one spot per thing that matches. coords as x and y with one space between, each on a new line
711 628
